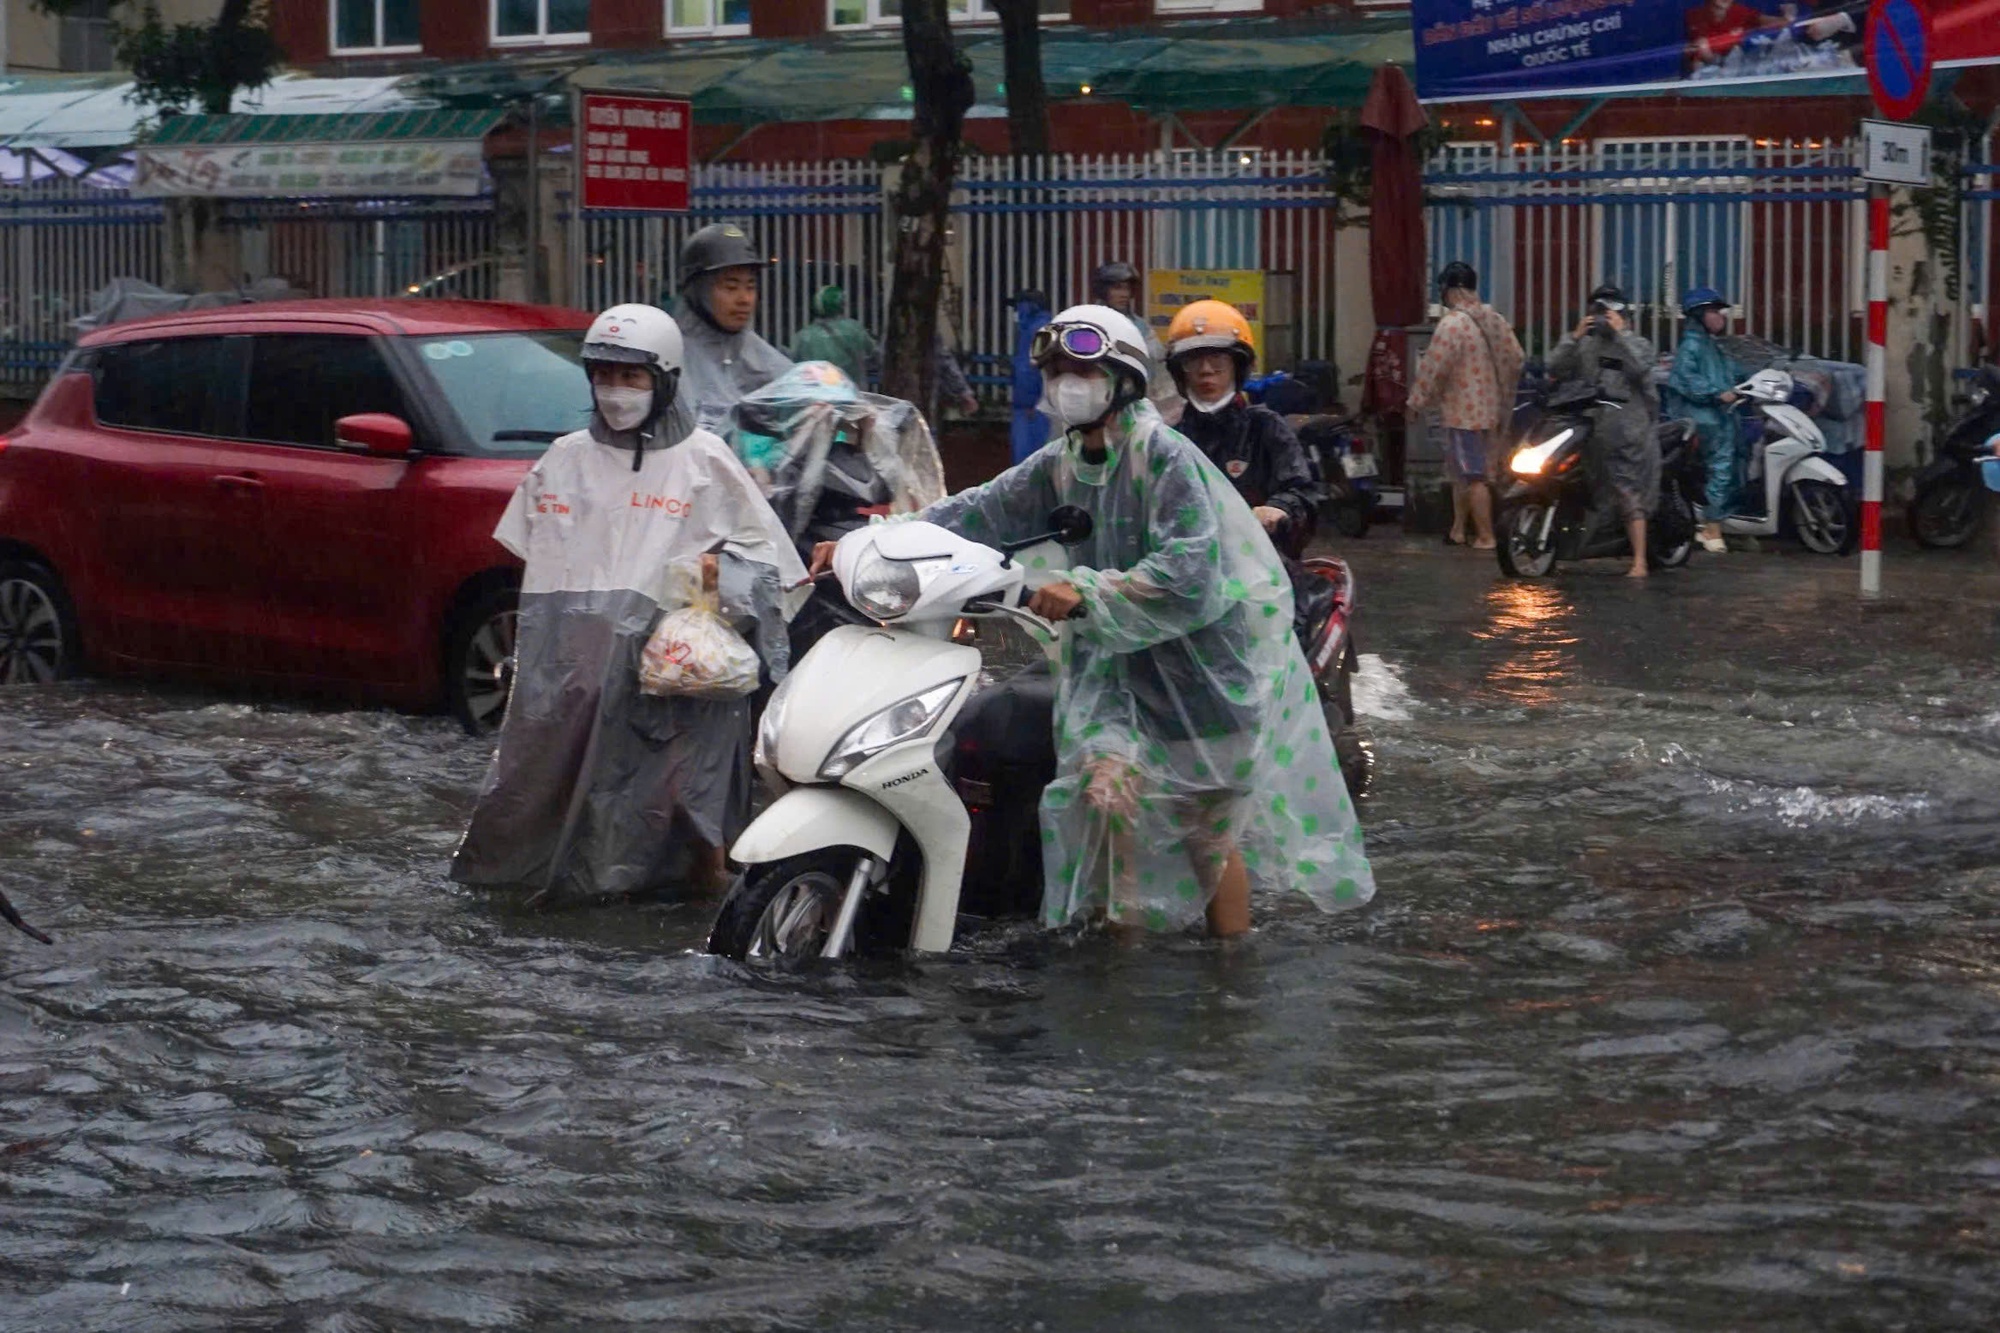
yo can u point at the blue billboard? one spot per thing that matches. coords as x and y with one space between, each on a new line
1483 49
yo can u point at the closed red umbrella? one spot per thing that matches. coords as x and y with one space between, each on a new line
1395 239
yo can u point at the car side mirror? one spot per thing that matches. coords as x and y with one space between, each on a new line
1070 525
376 433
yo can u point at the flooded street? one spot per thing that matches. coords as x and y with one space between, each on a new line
1679 1009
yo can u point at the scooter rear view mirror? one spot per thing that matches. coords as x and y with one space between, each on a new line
1072 525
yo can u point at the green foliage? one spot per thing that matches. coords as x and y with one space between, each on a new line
1956 135
1350 156
193 66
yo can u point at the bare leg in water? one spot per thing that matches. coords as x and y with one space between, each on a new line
1635 528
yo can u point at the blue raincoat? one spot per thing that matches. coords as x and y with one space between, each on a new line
1031 430
1701 375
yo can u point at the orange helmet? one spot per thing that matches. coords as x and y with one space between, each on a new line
1211 326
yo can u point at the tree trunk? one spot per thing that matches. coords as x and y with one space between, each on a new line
1027 95
941 87
219 82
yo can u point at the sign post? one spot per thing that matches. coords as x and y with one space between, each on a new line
634 154
1900 49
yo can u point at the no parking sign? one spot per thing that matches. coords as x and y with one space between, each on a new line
1900 52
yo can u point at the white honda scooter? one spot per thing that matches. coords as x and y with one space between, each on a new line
1786 468
901 806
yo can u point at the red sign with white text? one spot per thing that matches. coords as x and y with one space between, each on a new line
634 152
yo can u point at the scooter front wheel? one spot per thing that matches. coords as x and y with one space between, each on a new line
1522 551
1824 515
783 912
1945 513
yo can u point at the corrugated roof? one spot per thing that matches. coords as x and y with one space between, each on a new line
96 111
193 131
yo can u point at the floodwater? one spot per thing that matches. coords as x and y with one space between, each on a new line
1679 1010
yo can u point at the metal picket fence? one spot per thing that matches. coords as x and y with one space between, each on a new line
370 247
61 240
1776 225
1015 225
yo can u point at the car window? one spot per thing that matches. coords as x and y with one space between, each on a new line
515 393
301 383
171 385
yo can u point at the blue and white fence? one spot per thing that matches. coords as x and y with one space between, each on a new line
1775 225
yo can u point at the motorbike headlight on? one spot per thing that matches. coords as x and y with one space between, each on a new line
764 753
1530 461
892 726
884 588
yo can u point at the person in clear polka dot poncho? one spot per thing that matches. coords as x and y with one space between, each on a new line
1193 757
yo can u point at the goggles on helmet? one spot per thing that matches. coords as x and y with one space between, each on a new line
1079 342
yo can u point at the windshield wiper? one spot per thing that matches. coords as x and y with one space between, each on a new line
538 436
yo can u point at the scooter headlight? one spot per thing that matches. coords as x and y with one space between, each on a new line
892 726
884 588
1530 461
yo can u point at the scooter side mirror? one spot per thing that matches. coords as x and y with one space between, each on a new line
1071 525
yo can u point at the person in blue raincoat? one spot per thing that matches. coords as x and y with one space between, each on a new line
1031 429
1702 389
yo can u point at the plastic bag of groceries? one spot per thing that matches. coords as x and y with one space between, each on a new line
693 651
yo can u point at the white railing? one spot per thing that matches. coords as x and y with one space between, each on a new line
61 240
1774 225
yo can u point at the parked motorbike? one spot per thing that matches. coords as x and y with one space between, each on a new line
1548 512
1787 472
1948 502
909 790
1348 469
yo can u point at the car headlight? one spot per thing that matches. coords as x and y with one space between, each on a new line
884 588
1530 461
765 752
892 726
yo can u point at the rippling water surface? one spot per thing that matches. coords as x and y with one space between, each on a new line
1680 1009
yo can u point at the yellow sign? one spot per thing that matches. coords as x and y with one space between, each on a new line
1168 289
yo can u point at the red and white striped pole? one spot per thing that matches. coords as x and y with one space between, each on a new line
1878 364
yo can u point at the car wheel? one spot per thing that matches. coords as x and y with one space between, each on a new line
38 640
479 661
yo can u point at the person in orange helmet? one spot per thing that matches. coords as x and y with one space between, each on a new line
1211 351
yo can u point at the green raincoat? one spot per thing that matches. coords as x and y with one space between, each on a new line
1187 721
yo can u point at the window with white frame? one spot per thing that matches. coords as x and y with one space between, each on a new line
517 22
870 13
1205 6
716 18
375 25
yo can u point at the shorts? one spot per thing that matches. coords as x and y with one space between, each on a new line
1466 456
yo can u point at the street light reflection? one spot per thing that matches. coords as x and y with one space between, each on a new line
1534 620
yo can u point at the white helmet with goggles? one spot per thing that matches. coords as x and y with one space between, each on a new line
1091 334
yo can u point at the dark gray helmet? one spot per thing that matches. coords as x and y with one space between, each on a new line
1609 295
1109 275
716 247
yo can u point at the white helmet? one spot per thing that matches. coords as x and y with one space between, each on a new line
642 335
1117 342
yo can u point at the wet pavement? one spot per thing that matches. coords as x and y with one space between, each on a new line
1679 1009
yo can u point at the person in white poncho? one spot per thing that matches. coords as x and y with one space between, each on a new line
597 788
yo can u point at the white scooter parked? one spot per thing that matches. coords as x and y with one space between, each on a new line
869 842
1786 467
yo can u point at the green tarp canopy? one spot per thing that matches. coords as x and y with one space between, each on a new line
1241 64
378 127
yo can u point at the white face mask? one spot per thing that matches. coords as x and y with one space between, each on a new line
624 409
1076 400
1210 406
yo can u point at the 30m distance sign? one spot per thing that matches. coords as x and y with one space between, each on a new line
634 152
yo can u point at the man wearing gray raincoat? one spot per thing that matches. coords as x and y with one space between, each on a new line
596 788
724 358
1605 353
1192 755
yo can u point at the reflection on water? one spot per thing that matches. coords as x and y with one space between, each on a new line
1675 1012
1534 623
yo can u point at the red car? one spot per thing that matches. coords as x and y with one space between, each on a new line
298 494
